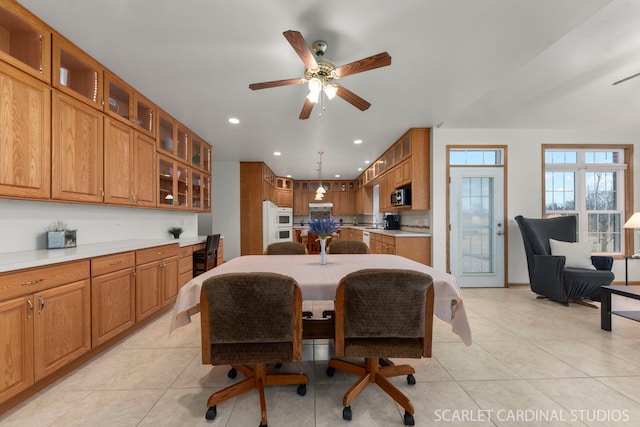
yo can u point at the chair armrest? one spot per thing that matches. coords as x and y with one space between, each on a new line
602 262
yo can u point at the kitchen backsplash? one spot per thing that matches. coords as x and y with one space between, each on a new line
418 221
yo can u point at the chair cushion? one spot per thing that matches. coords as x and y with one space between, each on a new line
228 354
578 255
387 347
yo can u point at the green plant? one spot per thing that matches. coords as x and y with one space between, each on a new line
59 225
175 231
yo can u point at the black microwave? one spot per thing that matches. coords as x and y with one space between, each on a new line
401 197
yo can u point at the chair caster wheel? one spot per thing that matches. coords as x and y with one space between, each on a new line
278 365
408 419
346 413
232 373
331 371
211 413
411 380
302 389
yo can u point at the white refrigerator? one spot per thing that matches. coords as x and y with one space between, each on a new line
277 224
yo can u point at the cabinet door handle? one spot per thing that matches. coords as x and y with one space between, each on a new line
41 304
31 282
29 308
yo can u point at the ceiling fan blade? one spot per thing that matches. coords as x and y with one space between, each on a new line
275 83
625 79
306 110
376 61
296 41
352 98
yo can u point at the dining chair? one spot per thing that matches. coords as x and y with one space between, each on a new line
313 243
251 344
348 247
382 313
207 258
286 248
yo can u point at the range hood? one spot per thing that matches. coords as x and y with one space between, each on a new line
320 206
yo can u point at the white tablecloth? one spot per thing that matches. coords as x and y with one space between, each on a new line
319 282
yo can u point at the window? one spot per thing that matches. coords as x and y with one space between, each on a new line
475 157
588 183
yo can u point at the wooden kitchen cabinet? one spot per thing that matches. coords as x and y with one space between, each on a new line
200 154
129 166
76 73
156 279
62 327
112 296
173 184
125 104
45 313
77 151
25 41
417 248
185 265
173 137
25 147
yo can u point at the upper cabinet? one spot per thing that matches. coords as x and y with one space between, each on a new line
128 106
25 148
76 73
25 42
173 138
200 153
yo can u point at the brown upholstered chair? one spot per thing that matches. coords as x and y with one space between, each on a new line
251 320
348 247
286 248
382 313
207 258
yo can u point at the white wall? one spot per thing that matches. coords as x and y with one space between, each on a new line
225 213
25 222
524 182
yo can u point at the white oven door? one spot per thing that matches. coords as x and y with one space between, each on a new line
283 217
283 235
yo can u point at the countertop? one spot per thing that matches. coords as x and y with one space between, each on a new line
394 233
27 259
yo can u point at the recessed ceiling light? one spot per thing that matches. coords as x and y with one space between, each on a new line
289 176
357 141
233 120
359 169
337 175
276 153
366 162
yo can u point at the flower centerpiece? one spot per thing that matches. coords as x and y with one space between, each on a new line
324 228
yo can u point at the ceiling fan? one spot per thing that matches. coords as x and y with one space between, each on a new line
320 74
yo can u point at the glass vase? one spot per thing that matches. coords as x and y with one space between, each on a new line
323 251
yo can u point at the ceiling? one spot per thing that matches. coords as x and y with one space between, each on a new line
455 64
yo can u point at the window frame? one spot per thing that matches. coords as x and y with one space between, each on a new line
626 235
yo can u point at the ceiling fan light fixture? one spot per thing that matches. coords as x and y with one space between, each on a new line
315 85
313 97
330 91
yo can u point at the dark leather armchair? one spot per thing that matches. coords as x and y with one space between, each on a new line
251 321
382 313
207 258
548 275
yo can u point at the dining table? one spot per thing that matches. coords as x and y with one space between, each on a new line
319 282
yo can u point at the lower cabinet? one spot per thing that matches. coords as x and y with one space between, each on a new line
417 248
46 328
185 265
113 296
156 279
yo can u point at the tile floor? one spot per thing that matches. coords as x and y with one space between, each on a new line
533 363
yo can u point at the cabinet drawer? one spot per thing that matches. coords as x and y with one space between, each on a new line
37 279
183 278
154 254
198 246
111 263
185 251
389 240
185 264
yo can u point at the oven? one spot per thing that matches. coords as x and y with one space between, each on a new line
283 217
282 235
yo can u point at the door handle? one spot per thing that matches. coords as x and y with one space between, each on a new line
500 232
41 304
